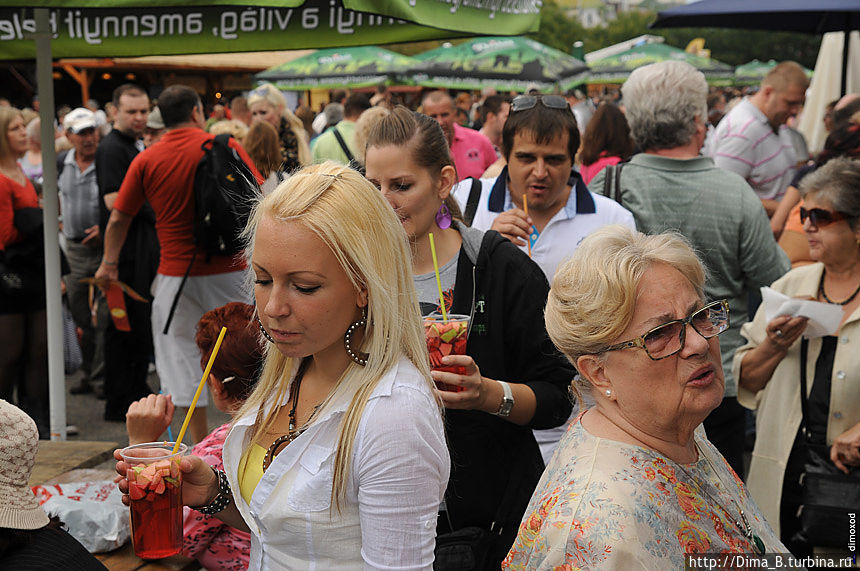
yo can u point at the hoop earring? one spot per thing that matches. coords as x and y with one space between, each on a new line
359 357
443 217
263 330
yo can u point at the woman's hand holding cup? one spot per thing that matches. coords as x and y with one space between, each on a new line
199 482
472 390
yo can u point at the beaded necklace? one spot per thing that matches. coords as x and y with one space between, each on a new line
292 431
828 300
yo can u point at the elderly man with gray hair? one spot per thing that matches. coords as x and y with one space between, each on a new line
669 186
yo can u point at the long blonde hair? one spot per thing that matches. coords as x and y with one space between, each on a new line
350 216
273 96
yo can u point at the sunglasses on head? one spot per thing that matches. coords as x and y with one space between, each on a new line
820 217
523 102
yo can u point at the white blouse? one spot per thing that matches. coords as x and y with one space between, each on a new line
397 480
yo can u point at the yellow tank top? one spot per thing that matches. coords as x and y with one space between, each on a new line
251 470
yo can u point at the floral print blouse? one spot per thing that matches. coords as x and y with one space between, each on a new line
212 542
603 504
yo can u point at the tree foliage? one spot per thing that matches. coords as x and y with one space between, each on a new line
734 47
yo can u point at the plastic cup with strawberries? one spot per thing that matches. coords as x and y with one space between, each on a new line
155 490
446 337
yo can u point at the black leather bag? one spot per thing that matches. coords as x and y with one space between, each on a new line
22 264
471 548
829 495
466 549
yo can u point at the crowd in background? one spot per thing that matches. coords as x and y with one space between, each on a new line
511 185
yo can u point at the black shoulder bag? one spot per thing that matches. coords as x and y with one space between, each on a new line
472 201
353 164
829 495
468 548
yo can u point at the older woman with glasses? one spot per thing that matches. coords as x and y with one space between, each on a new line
769 365
634 484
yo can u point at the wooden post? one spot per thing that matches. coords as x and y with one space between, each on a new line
83 79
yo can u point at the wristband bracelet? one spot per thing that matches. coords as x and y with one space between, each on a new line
110 264
221 500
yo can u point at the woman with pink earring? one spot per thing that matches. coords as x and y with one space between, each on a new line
514 379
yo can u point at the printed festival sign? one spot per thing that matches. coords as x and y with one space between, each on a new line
117 28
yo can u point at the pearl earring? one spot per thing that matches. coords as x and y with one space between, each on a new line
608 392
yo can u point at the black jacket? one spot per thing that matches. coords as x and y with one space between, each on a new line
505 293
139 257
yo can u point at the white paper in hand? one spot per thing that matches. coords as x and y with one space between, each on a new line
824 318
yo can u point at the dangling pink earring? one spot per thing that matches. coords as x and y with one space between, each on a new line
443 217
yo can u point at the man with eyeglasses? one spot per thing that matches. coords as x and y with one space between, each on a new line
539 141
669 186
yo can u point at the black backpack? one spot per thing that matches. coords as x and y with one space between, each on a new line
225 191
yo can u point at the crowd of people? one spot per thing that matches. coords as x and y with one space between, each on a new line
608 251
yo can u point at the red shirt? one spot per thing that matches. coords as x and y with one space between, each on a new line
163 174
14 196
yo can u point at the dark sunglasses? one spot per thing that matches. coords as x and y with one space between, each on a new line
523 102
820 217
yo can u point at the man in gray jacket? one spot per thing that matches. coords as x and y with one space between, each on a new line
670 187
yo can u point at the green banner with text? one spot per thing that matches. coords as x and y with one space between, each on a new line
120 29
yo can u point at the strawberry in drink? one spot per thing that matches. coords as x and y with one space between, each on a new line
446 337
155 491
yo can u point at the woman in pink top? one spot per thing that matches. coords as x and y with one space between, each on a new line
606 141
213 543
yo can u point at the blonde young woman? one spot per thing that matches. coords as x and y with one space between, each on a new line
338 459
268 104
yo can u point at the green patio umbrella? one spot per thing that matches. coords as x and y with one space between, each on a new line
507 64
339 67
616 68
751 73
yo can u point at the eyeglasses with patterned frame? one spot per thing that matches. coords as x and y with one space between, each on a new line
669 338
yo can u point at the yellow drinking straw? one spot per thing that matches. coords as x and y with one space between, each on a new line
526 209
438 280
199 389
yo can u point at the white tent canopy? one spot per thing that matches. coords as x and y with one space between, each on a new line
825 86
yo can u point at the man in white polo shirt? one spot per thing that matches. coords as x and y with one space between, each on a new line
752 139
539 141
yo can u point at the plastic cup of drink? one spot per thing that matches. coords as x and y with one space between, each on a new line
446 337
155 490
